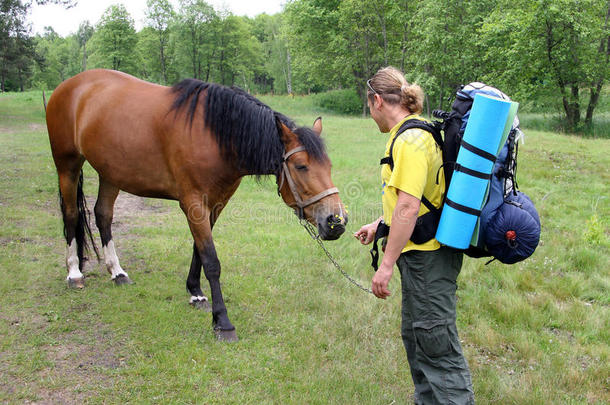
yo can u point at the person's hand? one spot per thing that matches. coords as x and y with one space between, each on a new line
366 234
381 279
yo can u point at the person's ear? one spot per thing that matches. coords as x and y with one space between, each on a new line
378 101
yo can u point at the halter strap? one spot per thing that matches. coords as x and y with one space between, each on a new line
301 204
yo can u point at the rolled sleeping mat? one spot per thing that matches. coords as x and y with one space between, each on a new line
474 164
493 199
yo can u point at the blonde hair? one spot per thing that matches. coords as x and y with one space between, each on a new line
391 85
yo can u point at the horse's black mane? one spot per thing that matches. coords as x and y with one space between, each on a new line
246 129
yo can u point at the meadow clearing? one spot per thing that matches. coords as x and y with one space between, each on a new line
537 332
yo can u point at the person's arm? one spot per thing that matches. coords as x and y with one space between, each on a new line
404 218
366 234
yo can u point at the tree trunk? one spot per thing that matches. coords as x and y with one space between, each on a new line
365 107
441 94
84 57
596 90
575 106
162 56
194 52
405 36
384 32
593 102
288 73
19 72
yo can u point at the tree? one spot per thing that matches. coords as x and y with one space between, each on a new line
267 31
313 26
159 15
59 58
239 53
366 41
116 39
445 49
338 44
13 32
84 34
557 49
198 28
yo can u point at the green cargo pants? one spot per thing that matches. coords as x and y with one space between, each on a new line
439 370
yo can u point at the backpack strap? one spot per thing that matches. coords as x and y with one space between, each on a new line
434 130
477 151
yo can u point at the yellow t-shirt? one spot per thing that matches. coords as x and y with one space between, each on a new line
417 160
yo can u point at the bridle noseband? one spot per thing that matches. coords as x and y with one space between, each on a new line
285 174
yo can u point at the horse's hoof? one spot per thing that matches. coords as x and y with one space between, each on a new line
201 303
122 279
77 283
226 335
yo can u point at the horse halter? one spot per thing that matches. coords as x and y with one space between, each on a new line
301 204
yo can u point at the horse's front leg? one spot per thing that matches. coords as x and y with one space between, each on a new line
199 223
193 283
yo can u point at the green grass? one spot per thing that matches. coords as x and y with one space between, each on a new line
600 127
535 332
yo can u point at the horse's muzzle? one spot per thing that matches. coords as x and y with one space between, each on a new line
332 227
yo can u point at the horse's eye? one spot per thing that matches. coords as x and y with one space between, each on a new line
301 168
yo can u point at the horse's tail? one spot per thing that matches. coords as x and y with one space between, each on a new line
83 230
44 101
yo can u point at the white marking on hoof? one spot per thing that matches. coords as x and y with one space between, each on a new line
199 298
112 261
72 262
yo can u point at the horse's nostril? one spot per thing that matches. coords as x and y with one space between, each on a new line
333 220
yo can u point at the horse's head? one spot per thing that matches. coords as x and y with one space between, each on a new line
305 184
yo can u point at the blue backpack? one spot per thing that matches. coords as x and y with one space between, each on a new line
509 223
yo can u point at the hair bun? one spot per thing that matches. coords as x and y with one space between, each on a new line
404 87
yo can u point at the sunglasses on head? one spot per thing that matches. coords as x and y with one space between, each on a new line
368 83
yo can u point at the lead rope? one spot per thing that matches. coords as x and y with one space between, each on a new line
312 232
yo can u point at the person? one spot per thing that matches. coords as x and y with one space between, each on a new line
428 270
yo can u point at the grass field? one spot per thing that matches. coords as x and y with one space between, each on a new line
537 332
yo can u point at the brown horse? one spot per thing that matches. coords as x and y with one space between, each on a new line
192 143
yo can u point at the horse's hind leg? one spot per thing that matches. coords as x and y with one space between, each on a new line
68 189
104 208
74 213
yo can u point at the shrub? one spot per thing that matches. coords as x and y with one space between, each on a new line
344 101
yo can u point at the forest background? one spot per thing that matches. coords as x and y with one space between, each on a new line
551 55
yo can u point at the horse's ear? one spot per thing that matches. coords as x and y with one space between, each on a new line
286 135
317 126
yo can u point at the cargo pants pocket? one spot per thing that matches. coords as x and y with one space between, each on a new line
432 337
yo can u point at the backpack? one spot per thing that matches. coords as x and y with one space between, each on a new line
509 228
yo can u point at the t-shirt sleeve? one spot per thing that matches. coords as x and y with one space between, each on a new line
410 166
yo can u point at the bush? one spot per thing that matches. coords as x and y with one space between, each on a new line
340 101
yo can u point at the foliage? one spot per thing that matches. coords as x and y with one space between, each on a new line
160 14
84 34
553 56
276 76
115 40
558 49
197 26
344 101
15 46
447 53
60 58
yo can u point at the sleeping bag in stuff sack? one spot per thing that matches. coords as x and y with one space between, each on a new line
512 232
